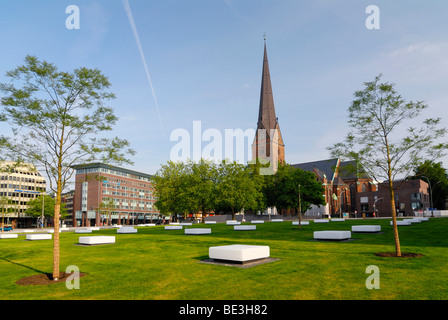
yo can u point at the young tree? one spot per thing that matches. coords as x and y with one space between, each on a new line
6 207
293 188
437 177
201 190
171 185
56 118
35 207
236 189
382 139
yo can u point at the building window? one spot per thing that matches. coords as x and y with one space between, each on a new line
364 188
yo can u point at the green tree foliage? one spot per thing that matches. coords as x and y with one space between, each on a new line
437 176
204 187
383 139
293 188
57 119
35 207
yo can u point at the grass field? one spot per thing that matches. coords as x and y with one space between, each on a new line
158 264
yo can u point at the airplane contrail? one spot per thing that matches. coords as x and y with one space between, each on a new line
142 55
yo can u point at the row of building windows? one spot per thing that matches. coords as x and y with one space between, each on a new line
125 188
14 178
113 172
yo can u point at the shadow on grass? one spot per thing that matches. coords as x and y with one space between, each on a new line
22 265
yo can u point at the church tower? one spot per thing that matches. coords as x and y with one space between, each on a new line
268 142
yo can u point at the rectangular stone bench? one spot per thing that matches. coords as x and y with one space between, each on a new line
83 231
232 222
186 223
321 220
413 220
127 230
366 228
401 223
239 253
276 220
257 221
296 223
244 228
8 235
210 222
174 227
338 219
149 225
95 240
332 235
198 231
38 236
52 231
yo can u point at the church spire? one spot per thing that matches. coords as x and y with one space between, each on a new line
266 113
267 120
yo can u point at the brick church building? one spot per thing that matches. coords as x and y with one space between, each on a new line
349 192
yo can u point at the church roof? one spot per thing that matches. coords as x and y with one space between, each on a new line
328 166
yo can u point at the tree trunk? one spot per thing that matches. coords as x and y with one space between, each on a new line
392 205
57 210
394 219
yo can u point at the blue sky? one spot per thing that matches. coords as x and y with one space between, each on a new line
204 58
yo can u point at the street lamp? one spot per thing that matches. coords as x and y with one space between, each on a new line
430 194
374 204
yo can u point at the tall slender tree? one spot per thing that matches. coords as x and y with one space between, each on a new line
383 140
56 119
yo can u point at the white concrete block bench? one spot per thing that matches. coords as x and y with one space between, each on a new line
232 222
28 230
95 240
239 253
366 228
83 231
210 222
175 223
401 223
257 221
8 235
94 228
413 220
244 228
276 220
198 231
39 236
321 220
186 223
127 230
338 219
52 230
332 235
423 219
174 227
149 225
296 223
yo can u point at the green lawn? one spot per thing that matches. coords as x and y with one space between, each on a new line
165 264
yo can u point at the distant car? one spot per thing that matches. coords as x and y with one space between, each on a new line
6 228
